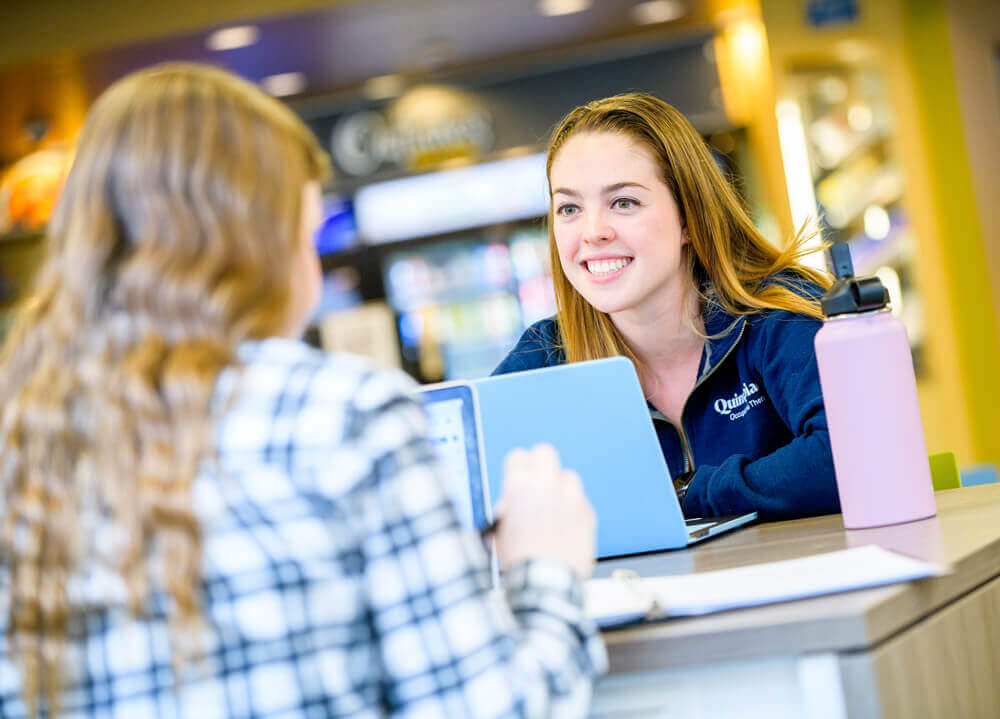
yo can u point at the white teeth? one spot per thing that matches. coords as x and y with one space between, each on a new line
603 267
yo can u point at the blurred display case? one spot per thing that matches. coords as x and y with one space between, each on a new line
463 303
459 255
848 128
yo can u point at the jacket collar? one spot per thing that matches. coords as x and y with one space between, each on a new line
724 331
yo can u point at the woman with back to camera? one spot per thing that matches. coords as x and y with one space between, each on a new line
654 258
202 516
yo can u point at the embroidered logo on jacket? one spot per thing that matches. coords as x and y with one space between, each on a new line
740 403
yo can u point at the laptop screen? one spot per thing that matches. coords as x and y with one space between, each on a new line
453 432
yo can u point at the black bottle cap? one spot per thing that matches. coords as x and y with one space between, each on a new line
850 294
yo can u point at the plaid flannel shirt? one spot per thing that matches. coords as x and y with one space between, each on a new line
337 579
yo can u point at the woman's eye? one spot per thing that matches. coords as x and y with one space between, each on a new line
624 203
567 210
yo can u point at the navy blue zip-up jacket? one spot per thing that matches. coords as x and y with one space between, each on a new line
754 425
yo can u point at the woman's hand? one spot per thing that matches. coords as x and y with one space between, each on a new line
544 512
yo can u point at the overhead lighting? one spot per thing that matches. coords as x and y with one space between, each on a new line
562 7
859 118
286 83
230 38
654 11
747 39
877 222
384 86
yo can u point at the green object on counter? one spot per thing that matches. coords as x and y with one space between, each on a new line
944 471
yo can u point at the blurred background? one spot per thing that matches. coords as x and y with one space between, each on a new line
879 117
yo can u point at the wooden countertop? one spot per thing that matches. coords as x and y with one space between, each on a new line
965 535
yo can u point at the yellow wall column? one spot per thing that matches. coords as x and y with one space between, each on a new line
974 34
965 266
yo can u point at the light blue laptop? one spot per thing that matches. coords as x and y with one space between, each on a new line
595 415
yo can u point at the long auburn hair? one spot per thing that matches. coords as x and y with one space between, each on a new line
726 256
172 242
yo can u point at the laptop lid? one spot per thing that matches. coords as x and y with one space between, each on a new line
595 415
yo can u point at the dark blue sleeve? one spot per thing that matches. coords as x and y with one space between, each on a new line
796 480
538 347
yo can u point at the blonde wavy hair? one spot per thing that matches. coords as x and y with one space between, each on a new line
727 257
172 242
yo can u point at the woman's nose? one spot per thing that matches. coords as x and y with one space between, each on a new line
598 230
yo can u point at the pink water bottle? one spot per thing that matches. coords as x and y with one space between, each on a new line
870 393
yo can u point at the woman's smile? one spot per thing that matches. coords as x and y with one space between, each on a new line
606 269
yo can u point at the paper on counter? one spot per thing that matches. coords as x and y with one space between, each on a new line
616 601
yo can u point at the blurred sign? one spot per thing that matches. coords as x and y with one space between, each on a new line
431 124
425 127
831 12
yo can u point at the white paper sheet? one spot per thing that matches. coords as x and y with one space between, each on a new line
617 601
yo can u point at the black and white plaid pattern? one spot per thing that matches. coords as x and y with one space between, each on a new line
338 581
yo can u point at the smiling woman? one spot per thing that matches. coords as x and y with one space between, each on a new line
655 258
